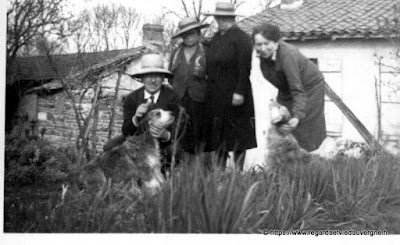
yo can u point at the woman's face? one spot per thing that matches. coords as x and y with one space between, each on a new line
191 38
224 22
264 47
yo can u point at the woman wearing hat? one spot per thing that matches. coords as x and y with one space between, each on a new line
187 64
152 95
300 83
229 99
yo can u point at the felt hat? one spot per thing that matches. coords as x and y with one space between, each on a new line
152 63
224 9
188 24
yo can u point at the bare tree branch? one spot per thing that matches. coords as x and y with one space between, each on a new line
129 22
185 8
31 18
196 14
169 11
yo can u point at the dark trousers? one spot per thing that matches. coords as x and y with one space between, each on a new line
222 156
193 139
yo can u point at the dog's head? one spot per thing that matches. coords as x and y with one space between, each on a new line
279 113
160 118
284 150
157 117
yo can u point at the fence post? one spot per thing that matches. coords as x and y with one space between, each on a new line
368 137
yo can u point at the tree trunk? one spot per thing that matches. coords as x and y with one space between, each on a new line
114 107
94 130
84 149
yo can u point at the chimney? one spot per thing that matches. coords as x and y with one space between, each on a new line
153 36
291 4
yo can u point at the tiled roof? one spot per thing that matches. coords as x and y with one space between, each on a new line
327 19
39 68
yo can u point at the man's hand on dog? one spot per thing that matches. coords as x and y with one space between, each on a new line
290 125
140 111
159 132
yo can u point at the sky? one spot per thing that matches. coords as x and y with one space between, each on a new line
150 8
153 9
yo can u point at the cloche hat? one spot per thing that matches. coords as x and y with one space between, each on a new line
188 24
152 63
224 9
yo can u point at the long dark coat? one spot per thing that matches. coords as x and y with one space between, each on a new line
228 59
301 88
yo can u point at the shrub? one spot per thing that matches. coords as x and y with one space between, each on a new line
353 149
36 162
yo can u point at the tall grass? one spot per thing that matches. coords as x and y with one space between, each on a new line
216 202
366 192
340 193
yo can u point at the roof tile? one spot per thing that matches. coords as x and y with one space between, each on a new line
40 68
324 18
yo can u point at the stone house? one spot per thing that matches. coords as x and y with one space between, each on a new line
36 94
347 41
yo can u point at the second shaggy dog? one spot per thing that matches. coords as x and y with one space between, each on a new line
283 148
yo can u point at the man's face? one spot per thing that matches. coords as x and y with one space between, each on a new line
224 22
191 38
152 82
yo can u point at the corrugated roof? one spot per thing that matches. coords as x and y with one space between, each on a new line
39 67
327 19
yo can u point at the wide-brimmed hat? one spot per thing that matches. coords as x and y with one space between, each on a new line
152 63
188 24
224 9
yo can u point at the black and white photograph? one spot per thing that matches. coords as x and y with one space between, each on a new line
150 119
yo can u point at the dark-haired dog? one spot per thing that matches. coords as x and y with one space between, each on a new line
137 159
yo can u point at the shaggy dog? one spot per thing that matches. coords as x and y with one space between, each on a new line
137 159
283 149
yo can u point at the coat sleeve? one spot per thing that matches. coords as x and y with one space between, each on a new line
291 68
243 51
129 110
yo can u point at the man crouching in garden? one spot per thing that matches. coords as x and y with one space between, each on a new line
152 95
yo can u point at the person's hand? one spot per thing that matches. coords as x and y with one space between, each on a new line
142 109
237 99
159 132
290 125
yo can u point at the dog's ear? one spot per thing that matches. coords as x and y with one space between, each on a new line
285 113
180 122
174 108
144 121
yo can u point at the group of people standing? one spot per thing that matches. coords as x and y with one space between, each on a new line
210 79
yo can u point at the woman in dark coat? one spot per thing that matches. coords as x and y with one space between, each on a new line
230 104
187 64
300 83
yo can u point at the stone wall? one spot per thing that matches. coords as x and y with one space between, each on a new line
57 117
